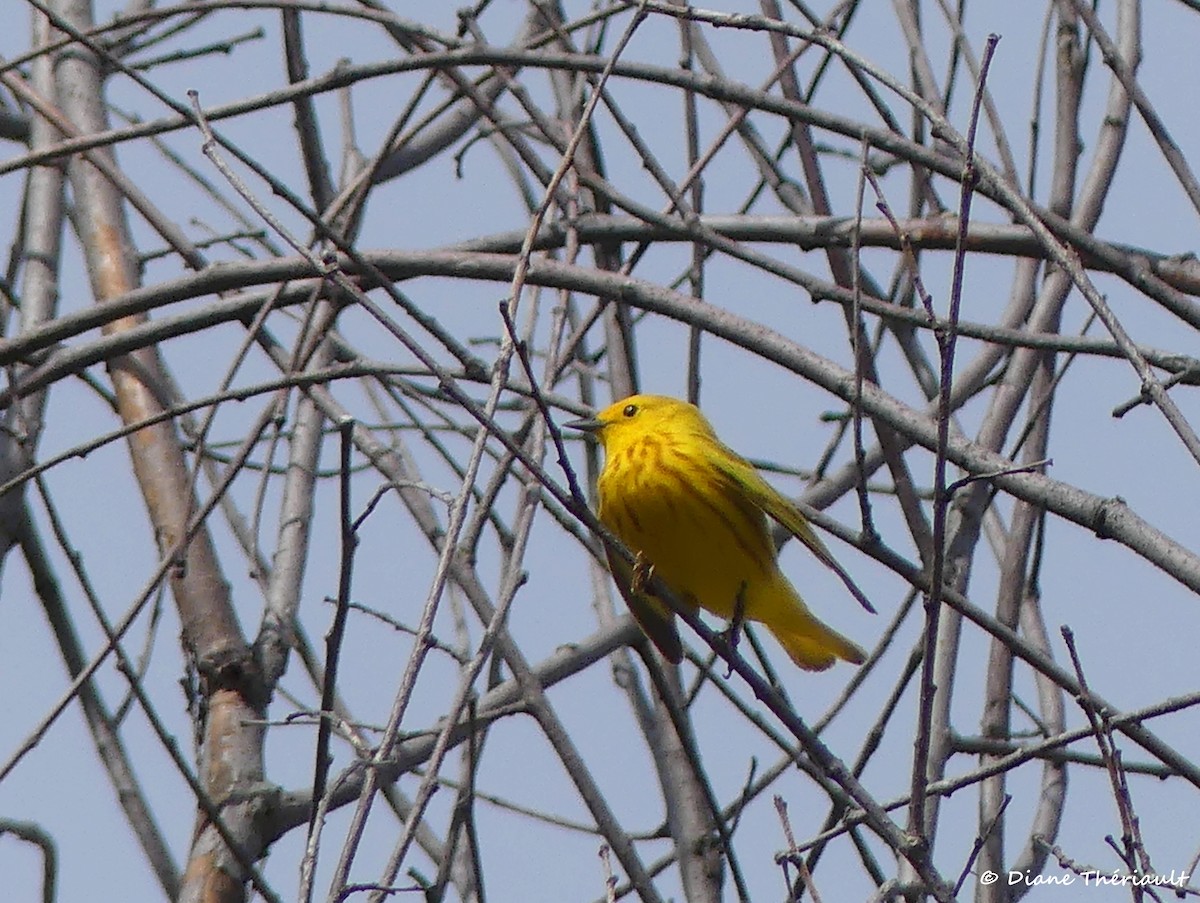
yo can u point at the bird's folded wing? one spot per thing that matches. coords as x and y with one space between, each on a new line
743 478
656 620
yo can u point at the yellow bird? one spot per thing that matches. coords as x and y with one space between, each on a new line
695 513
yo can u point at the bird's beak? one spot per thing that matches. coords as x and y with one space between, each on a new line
591 425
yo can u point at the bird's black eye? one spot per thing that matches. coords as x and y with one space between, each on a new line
630 410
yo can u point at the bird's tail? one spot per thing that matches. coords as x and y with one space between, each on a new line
810 644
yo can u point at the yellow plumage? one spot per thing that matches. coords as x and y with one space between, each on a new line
696 512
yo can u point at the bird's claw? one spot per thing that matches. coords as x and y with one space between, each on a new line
733 633
643 573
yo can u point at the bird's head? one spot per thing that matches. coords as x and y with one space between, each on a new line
638 416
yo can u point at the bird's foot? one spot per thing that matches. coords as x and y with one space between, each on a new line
733 633
643 572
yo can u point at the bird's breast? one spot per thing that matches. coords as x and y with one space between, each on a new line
644 489
665 502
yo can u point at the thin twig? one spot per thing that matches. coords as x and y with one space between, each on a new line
941 504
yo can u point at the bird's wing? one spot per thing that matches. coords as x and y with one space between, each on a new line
745 480
656 620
